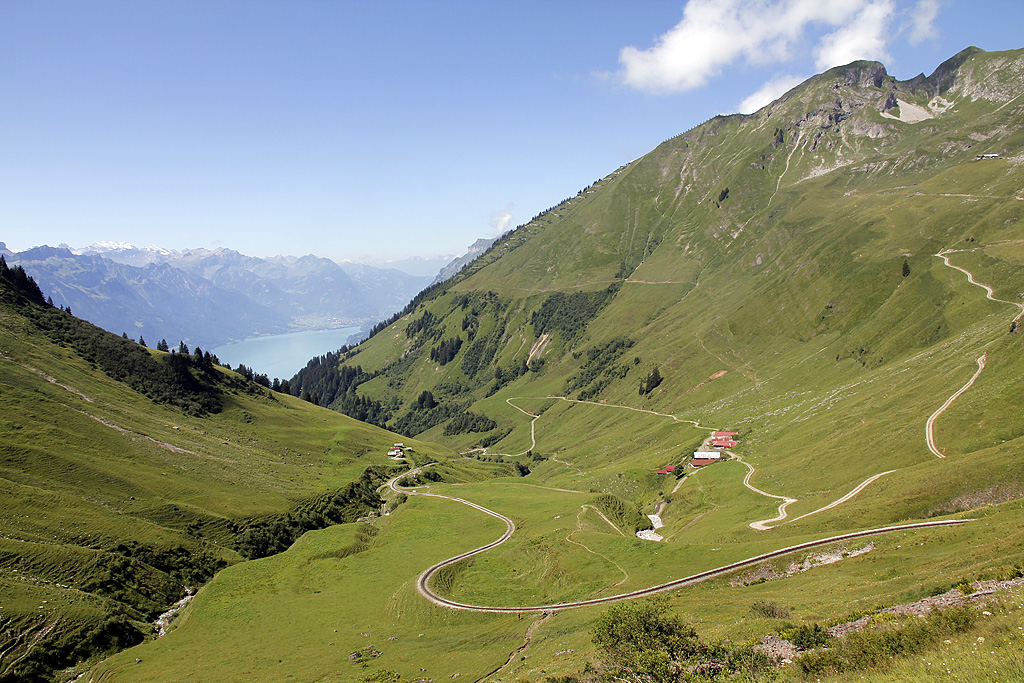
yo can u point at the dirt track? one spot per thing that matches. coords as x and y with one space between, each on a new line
423 582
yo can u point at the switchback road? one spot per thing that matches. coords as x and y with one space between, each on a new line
423 582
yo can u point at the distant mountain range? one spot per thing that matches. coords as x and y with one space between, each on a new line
210 297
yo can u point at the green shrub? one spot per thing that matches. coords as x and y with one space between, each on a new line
806 637
874 646
768 609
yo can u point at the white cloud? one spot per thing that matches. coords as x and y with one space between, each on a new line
716 33
769 92
862 38
501 219
922 21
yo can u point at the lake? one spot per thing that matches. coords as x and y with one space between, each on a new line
282 355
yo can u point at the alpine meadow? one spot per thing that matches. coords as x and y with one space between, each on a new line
823 299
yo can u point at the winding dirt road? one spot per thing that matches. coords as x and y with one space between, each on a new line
423 582
860 487
929 435
786 500
989 293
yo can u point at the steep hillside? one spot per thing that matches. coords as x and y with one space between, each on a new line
737 247
836 279
807 276
131 476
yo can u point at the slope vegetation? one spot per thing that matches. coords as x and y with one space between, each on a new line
804 276
129 477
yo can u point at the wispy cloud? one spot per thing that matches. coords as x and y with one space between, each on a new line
768 92
501 219
862 37
715 34
922 21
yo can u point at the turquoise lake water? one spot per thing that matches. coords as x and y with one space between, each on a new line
282 355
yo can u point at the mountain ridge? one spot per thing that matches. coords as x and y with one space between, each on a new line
211 297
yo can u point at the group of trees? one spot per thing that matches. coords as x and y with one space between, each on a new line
261 378
650 382
183 378
271 534
599 368
569 314
445 352
469 422
334 385
20 283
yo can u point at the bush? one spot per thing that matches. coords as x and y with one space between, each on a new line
806 637
469 422
600 361
768 609
874 646
569 314
643 639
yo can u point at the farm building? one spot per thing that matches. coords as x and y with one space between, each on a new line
723 435
701 462
724 443
706 455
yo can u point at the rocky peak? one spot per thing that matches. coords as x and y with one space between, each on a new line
945 75
861 74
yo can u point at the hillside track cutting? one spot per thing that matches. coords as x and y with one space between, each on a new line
423 581
929 435
989 293
786 500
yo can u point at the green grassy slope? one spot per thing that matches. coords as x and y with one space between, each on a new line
757 262
113 504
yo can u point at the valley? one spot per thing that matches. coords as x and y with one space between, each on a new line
838 285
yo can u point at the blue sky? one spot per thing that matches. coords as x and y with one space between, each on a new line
391 129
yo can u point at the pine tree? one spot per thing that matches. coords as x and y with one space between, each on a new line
906 268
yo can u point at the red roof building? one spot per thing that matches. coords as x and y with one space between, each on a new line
718 435
700 462
724 443
670 468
